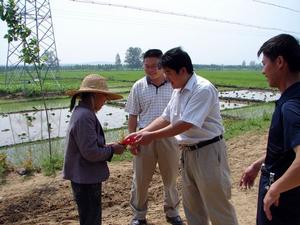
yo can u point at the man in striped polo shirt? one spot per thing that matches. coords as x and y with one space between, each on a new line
147 99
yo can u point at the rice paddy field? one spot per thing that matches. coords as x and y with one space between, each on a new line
121 81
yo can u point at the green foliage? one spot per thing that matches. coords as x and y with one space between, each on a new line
3 167
118 61
51 165
133 57
10 14
126 156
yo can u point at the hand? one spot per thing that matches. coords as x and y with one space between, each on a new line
134 149
249 175
118 148
130 139
144 137
270 199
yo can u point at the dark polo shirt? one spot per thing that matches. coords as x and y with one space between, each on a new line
86 153
284 133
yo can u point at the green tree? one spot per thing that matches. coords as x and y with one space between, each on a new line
133 57
118 61
244 63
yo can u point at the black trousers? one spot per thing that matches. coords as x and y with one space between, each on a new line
88 200
288 211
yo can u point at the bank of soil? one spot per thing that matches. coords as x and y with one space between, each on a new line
43 200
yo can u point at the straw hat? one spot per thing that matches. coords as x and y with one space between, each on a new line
95 84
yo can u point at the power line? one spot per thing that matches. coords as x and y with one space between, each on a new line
278 6
185 15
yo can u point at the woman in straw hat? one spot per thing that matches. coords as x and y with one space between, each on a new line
86 155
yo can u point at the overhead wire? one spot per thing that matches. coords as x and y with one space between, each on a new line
210 19
276 5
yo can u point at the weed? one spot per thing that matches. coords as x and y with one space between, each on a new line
49 167
3 167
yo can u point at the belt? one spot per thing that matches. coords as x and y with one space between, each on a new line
271 176
201 144
264 170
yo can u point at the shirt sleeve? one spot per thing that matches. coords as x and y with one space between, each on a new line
291 124
166 115
86 138
199 106
133 103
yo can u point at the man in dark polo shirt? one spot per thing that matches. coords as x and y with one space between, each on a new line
279 188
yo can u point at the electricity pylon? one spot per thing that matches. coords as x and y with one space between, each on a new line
36 15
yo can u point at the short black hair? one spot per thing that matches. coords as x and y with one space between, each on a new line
176 59
153 53
284 45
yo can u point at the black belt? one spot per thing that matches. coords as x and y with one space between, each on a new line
201 143
271 176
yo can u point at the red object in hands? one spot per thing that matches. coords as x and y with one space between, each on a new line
129 141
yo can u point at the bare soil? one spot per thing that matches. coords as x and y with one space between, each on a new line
47 200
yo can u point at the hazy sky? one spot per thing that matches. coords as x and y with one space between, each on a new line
88 32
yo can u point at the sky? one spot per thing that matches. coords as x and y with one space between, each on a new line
89 32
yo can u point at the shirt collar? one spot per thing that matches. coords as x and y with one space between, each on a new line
149 82
84 105
189 85
292 91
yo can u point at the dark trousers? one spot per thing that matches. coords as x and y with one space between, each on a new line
288 211
88 199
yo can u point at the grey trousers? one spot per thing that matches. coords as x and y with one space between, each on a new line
165 153
207 186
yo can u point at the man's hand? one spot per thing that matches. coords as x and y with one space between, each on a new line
270 199
144 137
249 175
134 149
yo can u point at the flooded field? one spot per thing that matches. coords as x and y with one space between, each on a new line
251 95
16 128
23 127
29 126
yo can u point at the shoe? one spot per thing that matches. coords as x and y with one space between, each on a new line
138 222
176 220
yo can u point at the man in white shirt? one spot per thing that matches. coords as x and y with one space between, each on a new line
193 117
148 98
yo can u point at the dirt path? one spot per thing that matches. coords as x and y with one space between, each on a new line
43 200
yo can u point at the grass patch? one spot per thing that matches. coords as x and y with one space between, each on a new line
238 78
234 128
259 110
71 79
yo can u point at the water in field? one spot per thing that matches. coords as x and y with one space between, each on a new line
23 127
37 151
231 104
251 95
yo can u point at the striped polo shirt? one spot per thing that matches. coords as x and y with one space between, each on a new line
148 101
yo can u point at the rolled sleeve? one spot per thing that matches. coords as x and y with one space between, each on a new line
133 104
166 113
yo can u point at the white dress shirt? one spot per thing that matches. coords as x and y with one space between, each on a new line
197 103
